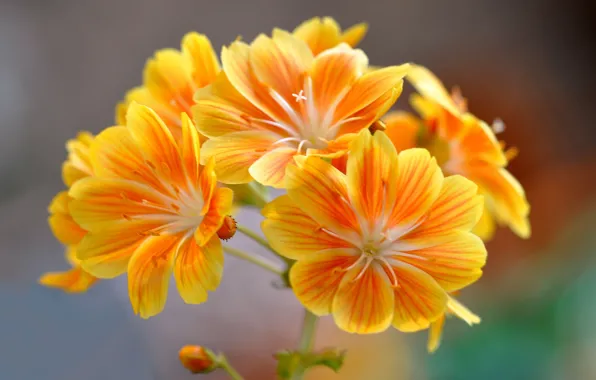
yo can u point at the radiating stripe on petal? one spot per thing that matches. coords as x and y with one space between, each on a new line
364 305
149 273
419 299
316 279
371 169
294 234
198 269
419 182
190 150
270 169
320 191
455 263
235 153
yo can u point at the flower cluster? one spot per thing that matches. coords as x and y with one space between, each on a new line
385 212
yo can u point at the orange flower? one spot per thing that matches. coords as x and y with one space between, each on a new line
150 210
465 145
381 244
322 34
436 328
77 166
274 101
170 80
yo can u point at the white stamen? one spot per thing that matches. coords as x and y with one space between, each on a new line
498 126
369 260
394 282
299 96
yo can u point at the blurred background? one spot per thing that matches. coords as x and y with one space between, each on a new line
64 65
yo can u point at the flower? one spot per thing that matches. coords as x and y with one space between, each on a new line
274 101
76 166
436 328
197 359
322 34
382 244
463 145
151 209
171 78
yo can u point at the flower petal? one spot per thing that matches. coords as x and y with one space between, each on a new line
315 280
419 300
430 87
354 34
234 153
458 207
320 191
167 76
205 67
454 264
372 163
220 206
364 305
402 129
190 149
485 228
75 280
294 234
419 183
63 226
270 169
435 333
479 142
462 312
149 273
198 269
319 34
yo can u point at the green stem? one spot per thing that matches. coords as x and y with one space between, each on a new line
307 339
261 261
255 236
226 366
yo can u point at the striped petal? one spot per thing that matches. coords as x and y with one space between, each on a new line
315 280
234 153
294 234
149 272
430 87
419 299
75 280
321 191
205 67
364 303
64 228
198 269
270 169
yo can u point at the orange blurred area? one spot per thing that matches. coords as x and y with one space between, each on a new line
64 66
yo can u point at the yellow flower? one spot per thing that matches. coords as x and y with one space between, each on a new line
463 145
274 101
77 166
436 328
170 80
322 34
151 209
381 244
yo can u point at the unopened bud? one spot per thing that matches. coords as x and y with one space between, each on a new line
197 359
227 229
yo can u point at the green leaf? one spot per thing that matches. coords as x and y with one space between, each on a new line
290 363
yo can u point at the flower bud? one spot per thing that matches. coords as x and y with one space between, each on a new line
197 359
227 229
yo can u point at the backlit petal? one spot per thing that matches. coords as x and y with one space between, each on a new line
203 58
270 169
419 299
198 269
63 226
435 333
462 312
430 87
234 153
319 34
485 228
220 206
294 234
372 165
478 142
354 34
320 191
149 273
315 280
402 129
419 182
364 305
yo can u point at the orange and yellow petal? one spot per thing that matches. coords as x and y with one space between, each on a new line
485 228
220 206
197 269
270 169
293 233
321 191
74 280
316 279
478 142
419 182
364 305
203 58
419 299
64 228
435 333
78 164
402 129
372 163
234 153
454 264
324 33
431 88
149 273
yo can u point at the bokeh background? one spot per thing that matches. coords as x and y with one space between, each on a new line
64 65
